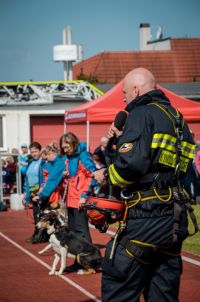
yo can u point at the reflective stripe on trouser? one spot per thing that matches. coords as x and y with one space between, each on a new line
125 279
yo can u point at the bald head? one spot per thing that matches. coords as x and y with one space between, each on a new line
138 82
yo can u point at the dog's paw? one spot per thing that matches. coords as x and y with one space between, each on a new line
51 273
86 272
40 252
58 273
81 272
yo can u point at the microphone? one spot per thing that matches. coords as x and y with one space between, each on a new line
119 122
120 119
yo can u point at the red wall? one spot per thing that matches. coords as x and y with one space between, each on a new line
195 127
97 130
45 129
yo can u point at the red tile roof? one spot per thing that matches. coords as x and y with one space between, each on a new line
180 64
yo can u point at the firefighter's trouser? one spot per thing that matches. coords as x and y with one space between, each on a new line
125 279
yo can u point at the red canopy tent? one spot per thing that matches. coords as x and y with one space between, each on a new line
90 121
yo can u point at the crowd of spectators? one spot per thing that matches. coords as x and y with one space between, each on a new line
45 173
20 159
10 165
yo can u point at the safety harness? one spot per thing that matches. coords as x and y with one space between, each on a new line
144 252
180 195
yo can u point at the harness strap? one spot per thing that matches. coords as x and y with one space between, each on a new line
64 209
193 218
122 227
143 253
186 200
176 224
164 195
179 194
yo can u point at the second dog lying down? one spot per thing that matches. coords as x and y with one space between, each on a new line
64 241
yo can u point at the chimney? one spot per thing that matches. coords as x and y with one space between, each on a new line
145 35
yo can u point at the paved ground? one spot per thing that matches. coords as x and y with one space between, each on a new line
24 273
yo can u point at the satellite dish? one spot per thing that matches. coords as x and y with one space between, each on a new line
159 33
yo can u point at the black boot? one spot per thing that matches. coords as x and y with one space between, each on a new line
30 239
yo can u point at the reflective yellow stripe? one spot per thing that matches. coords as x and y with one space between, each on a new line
116 179
164 141
163 145
188 150
150 245
49 83
133 203
144 243
165 136
38 82
169 159
138 259
168 142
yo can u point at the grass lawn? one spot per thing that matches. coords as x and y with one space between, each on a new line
192 243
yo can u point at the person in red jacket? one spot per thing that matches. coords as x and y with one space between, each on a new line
79 173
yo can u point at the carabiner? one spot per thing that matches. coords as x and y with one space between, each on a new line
126 197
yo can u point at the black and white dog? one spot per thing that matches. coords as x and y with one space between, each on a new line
64 241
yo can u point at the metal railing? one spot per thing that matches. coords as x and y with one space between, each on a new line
23 93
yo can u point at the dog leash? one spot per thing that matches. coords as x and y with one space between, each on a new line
28 213
63 204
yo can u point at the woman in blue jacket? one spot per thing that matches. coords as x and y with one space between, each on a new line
51 189
32 183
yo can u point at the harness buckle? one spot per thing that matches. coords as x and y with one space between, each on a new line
127 196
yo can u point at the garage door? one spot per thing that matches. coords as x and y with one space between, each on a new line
79 130
44 129
97 130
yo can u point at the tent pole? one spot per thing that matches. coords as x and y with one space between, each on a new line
88 134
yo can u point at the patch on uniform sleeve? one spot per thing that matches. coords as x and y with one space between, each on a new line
126 147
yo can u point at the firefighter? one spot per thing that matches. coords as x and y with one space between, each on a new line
153 153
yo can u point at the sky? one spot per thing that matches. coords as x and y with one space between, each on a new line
30 28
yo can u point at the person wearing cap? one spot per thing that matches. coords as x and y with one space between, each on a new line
23 162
